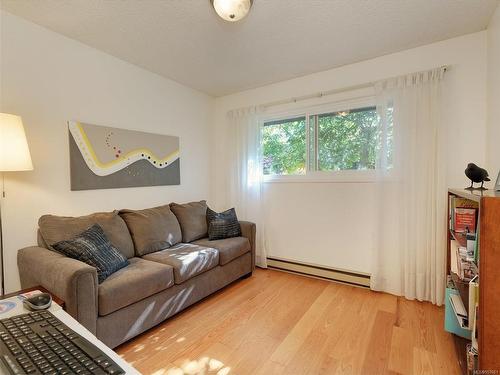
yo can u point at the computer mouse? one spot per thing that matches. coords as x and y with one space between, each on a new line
40 301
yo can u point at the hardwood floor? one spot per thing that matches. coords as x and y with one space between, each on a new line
278 323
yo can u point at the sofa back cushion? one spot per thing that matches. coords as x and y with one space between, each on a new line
192 218
61 228
152 229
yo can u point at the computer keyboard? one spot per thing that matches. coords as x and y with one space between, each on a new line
39 343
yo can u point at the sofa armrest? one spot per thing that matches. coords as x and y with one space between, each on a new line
73 281
248 230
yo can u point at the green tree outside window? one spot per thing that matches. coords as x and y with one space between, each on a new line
344 140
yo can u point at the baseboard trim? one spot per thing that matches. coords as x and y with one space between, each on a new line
320 272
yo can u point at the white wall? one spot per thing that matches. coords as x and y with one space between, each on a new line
333 223
49 79
494 95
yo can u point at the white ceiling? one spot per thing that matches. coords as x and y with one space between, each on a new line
280 39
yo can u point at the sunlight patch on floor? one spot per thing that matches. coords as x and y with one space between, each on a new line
138 348
202 366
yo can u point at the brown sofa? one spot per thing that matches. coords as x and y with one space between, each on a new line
172 265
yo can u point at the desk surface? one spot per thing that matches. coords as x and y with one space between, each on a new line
81 330
55 298
75 326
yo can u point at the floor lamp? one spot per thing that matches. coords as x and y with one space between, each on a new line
14 156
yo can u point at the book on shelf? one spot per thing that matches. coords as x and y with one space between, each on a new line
455 323
474 311
473 298
465 220
459 310
458 202
471 246
453 256
462 262
467 270
472 359
474 335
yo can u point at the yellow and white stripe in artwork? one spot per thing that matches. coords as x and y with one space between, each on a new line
105 169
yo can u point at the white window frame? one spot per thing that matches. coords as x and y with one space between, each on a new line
311 176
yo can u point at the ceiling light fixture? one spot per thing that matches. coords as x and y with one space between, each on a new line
232 10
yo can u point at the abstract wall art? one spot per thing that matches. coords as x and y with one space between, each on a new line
103 158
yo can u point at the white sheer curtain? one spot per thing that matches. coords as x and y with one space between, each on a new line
246 190
411 188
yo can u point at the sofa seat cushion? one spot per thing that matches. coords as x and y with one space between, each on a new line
229 248
187 259
140 279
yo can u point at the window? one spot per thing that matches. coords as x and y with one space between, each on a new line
346 139
324 141
284 146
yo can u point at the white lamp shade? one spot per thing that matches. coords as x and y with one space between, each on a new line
14 151
232 10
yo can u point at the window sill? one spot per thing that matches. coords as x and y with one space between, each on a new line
345 177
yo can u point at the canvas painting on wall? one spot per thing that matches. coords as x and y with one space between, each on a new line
103 158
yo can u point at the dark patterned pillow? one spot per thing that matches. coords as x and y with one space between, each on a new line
222 225
93 247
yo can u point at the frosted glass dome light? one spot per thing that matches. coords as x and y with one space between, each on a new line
232 10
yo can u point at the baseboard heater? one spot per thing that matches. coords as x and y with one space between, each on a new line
321 272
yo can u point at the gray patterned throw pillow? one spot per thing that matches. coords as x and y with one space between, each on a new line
222 224
93 247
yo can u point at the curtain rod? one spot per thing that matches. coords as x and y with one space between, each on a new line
327 93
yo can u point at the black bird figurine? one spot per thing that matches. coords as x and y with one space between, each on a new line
476 174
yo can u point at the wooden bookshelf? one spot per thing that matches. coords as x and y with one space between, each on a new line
489 279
